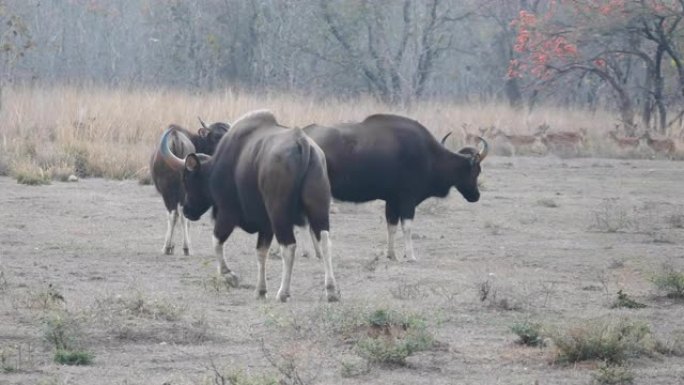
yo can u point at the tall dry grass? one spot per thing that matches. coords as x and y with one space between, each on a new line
102 132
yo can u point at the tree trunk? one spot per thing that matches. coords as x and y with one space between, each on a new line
513 93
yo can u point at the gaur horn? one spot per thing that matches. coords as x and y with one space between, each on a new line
202 123
170 158
484 151
445 137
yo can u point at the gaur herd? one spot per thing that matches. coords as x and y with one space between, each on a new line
266 178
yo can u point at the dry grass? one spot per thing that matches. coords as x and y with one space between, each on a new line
110 132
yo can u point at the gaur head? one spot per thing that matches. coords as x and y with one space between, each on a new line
468 169
195 170
210 136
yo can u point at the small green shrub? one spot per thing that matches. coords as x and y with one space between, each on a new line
529 334
547 202
612 341
670 281
73 357
392 337
623 300
612 375
62 332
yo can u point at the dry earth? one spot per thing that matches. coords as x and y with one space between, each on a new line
555 239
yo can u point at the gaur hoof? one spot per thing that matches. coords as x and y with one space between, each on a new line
186 251
231 279
282 297
168 250
261 294
411 259
333 296
391 256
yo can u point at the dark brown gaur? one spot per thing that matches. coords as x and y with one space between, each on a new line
168 181
265 179
397 160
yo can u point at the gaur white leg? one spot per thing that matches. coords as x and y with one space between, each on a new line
391 234
316 244
262 253
185 223
408 241
223 269
168 241
288 254
325 246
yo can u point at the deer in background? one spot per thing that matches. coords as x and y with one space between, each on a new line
660 145
562 139
470 138
624 142
516 141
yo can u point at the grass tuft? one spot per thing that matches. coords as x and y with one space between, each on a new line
612 375
670 281
392 337
529 334
612 341
625 301
73 357
30 174
63 332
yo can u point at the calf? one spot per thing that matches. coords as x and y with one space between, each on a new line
168 180
265 179
397 160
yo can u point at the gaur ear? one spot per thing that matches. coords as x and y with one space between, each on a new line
192 163
203 132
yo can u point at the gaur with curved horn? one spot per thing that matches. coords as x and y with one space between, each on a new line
395 159
166 175
265 179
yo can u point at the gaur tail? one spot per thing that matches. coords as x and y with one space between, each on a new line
305 153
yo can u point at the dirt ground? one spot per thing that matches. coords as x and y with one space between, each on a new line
553 240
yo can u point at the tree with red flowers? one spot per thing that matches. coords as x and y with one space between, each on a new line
622 43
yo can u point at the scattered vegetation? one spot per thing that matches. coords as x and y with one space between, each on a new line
670 281
609 340
529 334
608 374
354 367
30 174
489 294
406 291
547 202
137 305
62 332
392 337
238 377
493 228
46 298
610 217
15 357
71 357
625 301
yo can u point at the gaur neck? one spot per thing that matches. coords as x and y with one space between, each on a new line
447 169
